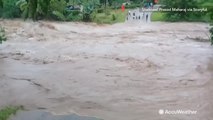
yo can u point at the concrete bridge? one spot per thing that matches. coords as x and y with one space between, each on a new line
138 15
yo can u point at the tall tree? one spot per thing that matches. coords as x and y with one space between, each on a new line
32 6
44 5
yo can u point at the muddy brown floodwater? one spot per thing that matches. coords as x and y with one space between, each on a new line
124 71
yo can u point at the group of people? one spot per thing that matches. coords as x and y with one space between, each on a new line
141 15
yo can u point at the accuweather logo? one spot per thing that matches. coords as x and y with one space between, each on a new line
176 112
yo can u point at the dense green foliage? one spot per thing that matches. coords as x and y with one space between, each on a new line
1 3
188 15
56 5
34 8
8 9
56 9
181 15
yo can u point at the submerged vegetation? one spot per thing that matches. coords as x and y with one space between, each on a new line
211 37
2 35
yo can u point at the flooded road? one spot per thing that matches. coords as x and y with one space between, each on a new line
113 72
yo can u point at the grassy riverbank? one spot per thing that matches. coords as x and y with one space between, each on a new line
6 112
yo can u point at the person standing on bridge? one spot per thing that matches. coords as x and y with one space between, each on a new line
148 5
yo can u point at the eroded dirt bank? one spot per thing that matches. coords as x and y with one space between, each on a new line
119 72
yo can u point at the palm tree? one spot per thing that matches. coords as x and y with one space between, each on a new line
30 8
44 4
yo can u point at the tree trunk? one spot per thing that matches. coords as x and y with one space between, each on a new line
32 4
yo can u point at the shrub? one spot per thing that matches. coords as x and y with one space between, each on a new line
69 16
100 10
87 12
107 11
113 17
58 5
6 112
2 35
57 9
211 31
74 16
23 6
59 16
211 37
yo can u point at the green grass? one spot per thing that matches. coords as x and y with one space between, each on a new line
107 17
158 16
6 112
